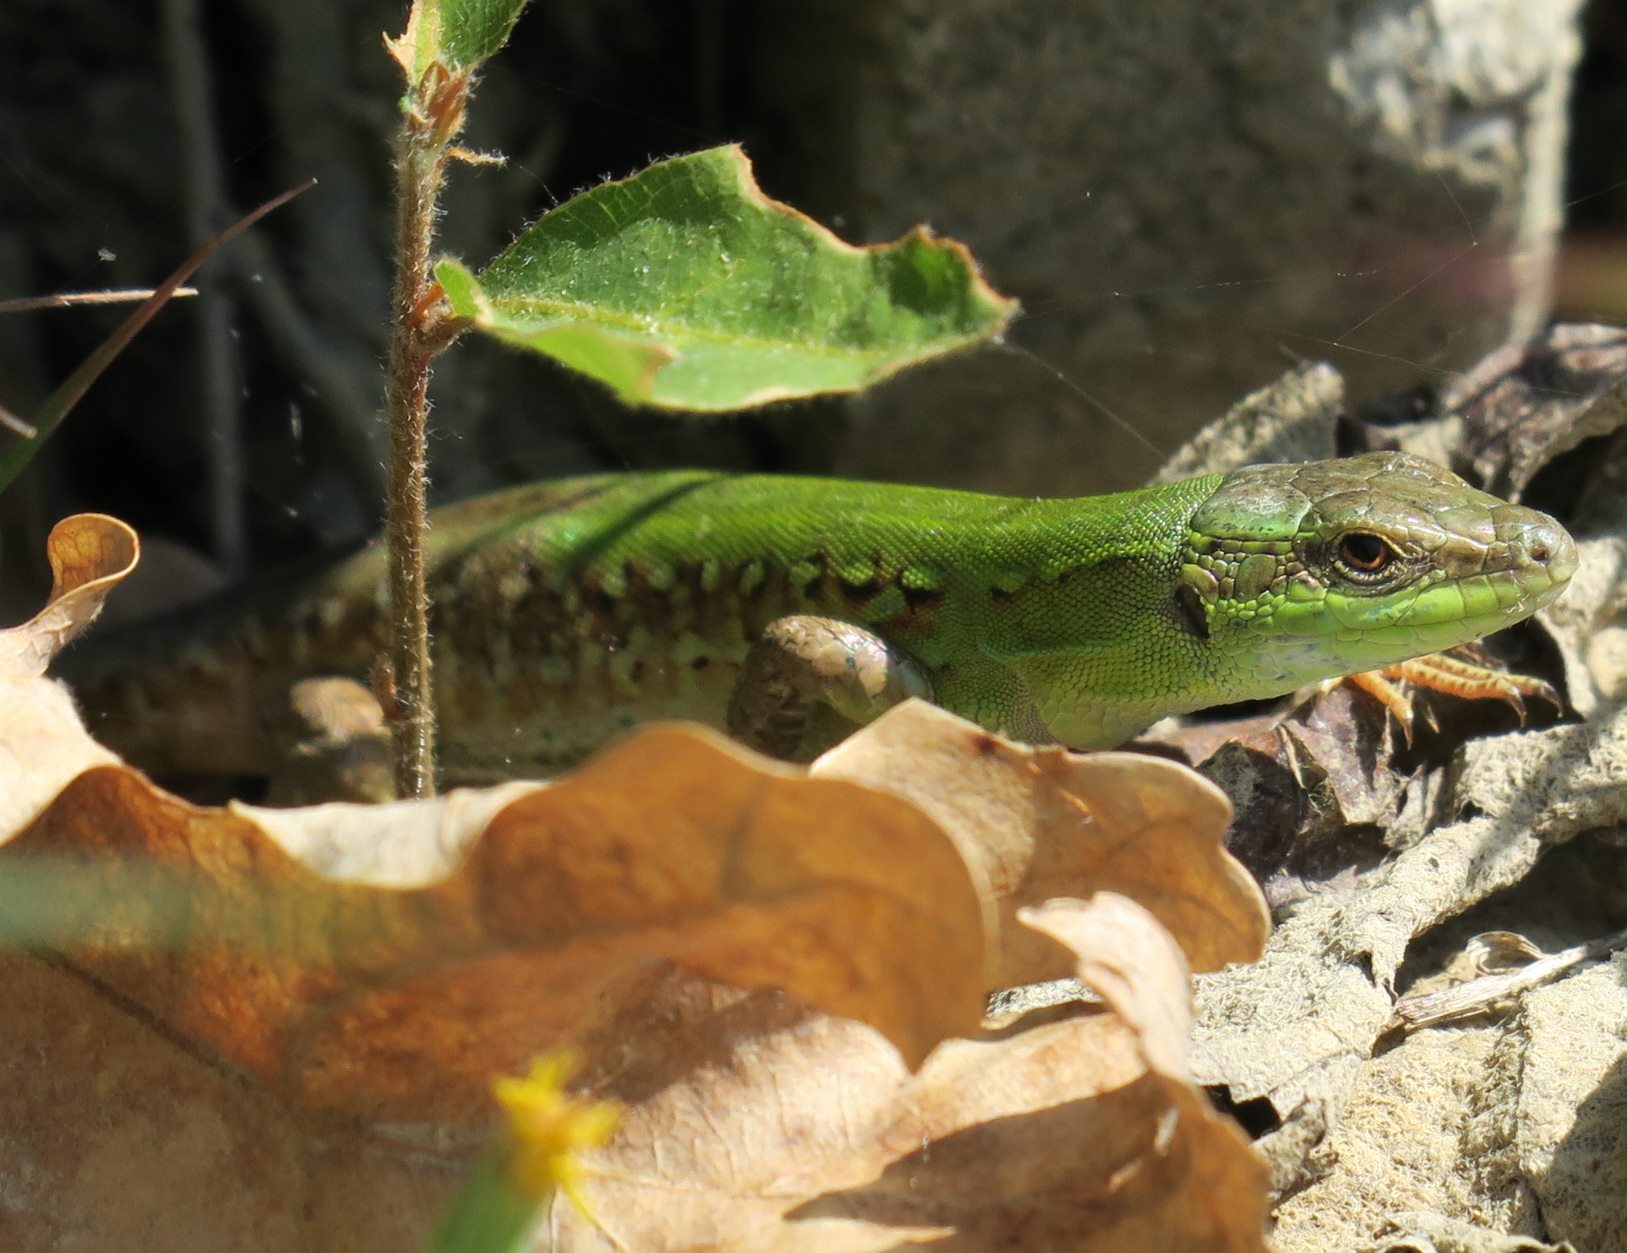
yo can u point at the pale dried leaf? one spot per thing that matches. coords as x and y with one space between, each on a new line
1079 1133
1045 822
42 745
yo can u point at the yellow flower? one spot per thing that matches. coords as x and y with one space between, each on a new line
547 1128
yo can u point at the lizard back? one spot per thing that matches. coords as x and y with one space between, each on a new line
566 612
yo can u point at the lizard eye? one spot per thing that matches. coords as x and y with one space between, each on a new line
1364 552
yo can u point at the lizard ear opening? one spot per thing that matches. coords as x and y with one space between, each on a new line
1189 606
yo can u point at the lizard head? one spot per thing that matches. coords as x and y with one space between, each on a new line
1356 564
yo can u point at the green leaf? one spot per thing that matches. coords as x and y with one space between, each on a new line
460 33
684 286
473 30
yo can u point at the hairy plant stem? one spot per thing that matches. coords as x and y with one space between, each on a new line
420 171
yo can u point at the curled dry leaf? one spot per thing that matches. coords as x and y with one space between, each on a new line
89 554
1044 822
1079 1132
41 742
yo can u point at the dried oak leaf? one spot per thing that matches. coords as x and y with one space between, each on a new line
1077 1132
1045 822
388 960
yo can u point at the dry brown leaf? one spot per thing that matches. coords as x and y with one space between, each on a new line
1082 1132
388 960
1044 822
118 1136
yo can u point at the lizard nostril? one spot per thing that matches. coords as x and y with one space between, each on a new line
1548 548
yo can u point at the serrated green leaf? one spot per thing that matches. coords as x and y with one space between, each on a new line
460 33
684 286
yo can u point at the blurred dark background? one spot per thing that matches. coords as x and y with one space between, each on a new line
240 430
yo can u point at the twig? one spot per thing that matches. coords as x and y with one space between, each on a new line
16 425
67 300
71 299
416 336
1474 997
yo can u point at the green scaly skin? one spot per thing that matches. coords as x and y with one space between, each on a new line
567 612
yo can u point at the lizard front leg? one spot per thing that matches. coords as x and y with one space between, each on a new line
1441 672
802 660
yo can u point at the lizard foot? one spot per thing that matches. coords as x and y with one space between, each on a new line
1440 672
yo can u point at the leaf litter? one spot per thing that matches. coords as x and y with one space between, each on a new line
778 972
1504 1132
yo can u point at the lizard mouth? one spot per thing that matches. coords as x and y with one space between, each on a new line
1455 590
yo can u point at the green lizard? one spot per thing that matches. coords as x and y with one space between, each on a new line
780 608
